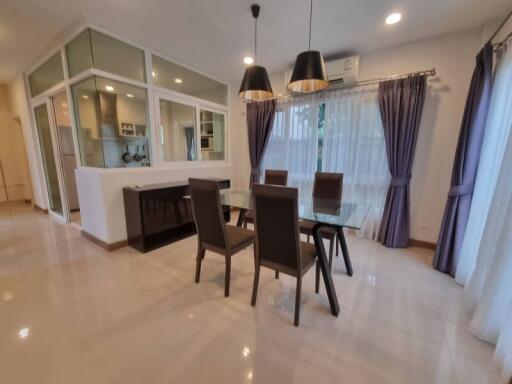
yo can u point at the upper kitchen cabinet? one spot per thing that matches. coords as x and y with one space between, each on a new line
93 49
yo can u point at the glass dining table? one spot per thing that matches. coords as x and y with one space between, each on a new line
325 213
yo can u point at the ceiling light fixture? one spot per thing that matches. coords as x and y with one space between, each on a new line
309 73
248 60
153 74
85 97
109 88
393 18
24 332
129 95
178 80
255 83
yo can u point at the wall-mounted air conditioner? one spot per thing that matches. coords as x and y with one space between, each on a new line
344 70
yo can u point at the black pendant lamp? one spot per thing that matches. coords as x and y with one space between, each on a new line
255 84
309 73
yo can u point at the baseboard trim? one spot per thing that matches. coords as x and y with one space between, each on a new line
422 244
106 246
39 209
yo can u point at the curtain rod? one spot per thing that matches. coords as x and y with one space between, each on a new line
334 86
501 26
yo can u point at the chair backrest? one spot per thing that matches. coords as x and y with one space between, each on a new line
276 177
208 212
276 225
328 185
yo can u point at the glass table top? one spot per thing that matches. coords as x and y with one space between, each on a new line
326 211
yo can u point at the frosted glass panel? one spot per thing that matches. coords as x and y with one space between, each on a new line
112 123
173 76
78 54
93 49
46 75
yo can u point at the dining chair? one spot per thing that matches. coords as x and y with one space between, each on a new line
274 177
327 185
278 245
213 233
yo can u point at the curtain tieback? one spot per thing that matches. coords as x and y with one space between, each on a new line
400 181
461 189
255 171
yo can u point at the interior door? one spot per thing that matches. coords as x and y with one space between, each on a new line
50 162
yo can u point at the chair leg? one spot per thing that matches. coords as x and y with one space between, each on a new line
244 225
297 300
308 238
337 245
255 285
199 258
277 274
331 249
228 276
317 278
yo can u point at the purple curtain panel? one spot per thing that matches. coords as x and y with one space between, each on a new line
260 119
465 165
401 105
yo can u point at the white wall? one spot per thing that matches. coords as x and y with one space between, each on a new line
19 108
453 56
100 192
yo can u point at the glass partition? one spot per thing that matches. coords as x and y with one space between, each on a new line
212 135
178 131
46 75
47 153
180 79
93 49
112 123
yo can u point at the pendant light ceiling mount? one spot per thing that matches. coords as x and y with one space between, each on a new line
309 74
255 83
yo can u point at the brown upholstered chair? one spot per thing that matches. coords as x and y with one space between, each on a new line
327 186
274 177
278 244
212 232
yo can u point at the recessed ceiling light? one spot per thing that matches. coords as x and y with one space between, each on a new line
393 18
153 74
178 80
23 333
248 60
85 97
109 88
129 95
64 104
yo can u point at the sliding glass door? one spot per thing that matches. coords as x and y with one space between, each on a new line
43 123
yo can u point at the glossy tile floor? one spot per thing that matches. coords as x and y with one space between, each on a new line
73 313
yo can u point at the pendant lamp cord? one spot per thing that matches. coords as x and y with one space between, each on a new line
255 40
310 18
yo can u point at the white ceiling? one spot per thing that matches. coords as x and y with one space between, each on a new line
214 35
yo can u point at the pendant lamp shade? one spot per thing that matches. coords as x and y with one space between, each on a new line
255 84
309 73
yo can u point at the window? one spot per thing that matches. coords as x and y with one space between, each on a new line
339 132
212 135
46 75
180 79
178 131
93 49
112 123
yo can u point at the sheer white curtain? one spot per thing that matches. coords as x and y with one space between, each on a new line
293 143
497 130
488 294
354 144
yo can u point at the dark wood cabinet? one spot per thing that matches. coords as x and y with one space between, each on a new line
157 214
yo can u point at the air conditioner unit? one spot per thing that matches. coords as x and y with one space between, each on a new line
338 71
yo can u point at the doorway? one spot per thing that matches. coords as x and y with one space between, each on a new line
55 132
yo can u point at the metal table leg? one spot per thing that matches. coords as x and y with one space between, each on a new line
344 251
326 270
240 217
